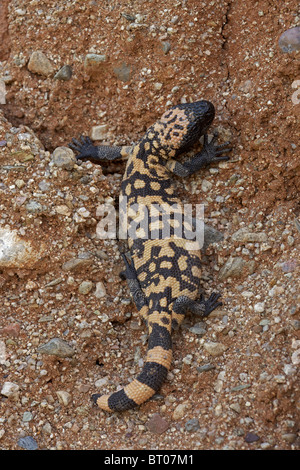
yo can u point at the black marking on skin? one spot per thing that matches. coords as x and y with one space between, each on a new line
153 375
160 336
119 401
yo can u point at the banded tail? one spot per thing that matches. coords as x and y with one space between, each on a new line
154 373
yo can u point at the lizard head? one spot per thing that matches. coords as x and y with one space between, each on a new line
180 127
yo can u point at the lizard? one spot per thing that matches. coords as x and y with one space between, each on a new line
163 275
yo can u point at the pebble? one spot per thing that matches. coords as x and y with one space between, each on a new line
243 235
63 157
157 424
296 357
259 307
100 290
11 330
289 41
64 397
206 186
34 207
27 416
64 74
10 390
123 72
289 437
85 287
251 437
76 264
198 329
179 411
215 348
192 425
236 407
100 382
289 266
40 64
56 347
93 62
28 443
206 367
232 268
99 132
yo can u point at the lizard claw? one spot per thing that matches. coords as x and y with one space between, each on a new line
84 147
215 152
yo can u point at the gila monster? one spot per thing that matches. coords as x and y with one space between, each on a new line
163 275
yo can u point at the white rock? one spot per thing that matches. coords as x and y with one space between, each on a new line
99 132
16 252
214 348
100 290
259 307
296 357
64 397
10 390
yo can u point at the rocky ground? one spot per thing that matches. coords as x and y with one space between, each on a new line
68 327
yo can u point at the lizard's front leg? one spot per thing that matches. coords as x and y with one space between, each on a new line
209 154
86 150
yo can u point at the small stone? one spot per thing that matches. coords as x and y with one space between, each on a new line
123 72
47 429
100 290
64 397
211 235
166 46
289 437
198 329
214 348
179 411
27 416
34 207
94 62
251 437
235 407
11 330
85 287
56 347
243 235
64 74
99 132
76 264
232 268
63 157
10 390
289 41
20 183
40 64
157 86
296 357
259 307
62 209
27 443
157 424
206 186
192 425
206 368
289 266
100 382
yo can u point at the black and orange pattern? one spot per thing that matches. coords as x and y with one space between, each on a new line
163 274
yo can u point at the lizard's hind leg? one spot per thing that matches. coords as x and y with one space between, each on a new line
199 307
